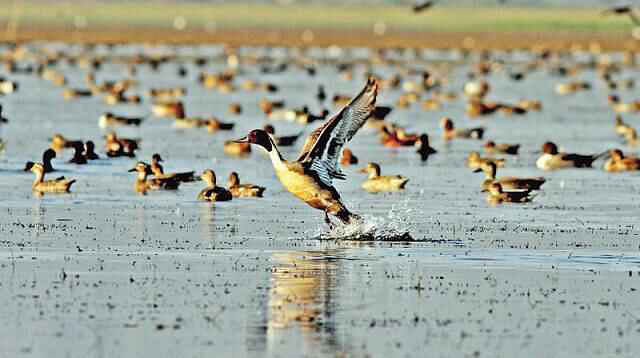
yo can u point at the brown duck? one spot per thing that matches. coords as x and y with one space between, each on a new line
243 190
59 185
509 183
158 171
213 192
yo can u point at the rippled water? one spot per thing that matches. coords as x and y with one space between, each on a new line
106 272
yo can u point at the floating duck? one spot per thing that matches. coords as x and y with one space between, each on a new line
168 109
621 163
496 195
424 149
109 119
377 183
492 148
213 192
89 151
59 185
552 159
510 183
158 171
310 177
237 149
243 190
78 154
143 185
450 132
120 147
47 156
59 142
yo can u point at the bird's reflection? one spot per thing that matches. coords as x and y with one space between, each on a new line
301 303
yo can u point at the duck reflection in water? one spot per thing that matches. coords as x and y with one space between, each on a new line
302 303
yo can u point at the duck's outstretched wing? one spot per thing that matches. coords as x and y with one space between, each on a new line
324 146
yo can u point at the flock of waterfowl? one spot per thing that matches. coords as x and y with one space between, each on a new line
310 176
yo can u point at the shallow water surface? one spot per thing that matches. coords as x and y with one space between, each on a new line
104 272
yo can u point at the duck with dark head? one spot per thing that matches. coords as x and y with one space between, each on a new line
310 177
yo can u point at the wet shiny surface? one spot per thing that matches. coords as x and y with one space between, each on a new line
106 272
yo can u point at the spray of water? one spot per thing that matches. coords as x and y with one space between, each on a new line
394 227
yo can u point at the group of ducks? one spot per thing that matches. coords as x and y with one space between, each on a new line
324 152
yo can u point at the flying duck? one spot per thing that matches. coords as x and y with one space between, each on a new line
310 176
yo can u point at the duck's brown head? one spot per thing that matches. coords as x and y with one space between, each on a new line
372 168
613 98
446 123
234 179
209 176
490 144
258 137
616 154
550 148
156 158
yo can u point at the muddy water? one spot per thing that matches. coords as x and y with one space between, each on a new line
104 272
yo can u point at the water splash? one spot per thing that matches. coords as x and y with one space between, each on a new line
394 227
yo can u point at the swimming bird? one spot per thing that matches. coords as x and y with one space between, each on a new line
424 149
109 119
78 154
621 163
552 159
497 195
450 132
502 148
89 150
243 190
59 142
158 171
213 192
47 155
143 184
120 147
621 127
310 176
58 185
510 183
377 183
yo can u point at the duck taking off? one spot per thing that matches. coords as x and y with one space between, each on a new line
310 176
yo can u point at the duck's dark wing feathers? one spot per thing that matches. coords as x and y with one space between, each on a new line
324 146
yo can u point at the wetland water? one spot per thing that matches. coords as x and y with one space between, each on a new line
104 272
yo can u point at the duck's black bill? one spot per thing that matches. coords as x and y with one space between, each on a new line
477 170
242 140
132 170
